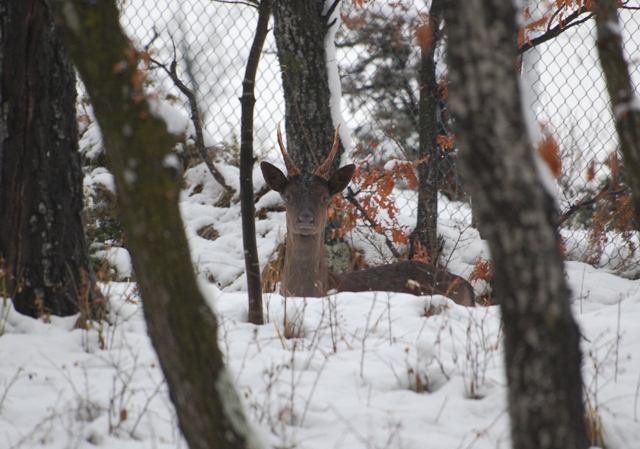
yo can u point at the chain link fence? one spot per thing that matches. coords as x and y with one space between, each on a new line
378 61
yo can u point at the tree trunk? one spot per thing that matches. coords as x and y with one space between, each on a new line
425 233
42 239
519 219
300 30
247 161
182 328
626 113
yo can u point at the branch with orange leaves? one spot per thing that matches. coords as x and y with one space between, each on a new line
351 197
563 24
606 191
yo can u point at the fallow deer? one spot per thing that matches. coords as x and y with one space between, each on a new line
306 198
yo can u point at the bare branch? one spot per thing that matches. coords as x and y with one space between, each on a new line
569 22
330 11
195 117
251 3
590 201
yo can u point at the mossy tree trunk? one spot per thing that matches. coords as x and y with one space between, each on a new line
519 220
300 30
624 101
182 327
42 239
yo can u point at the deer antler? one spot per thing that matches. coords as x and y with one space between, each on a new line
324 168
292 170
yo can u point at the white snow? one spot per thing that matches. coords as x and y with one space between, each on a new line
360 370
622 109
348 379
102 176
171 161
117 258
335 88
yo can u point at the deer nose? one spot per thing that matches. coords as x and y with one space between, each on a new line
305 217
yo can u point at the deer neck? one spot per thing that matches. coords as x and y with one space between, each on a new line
305 271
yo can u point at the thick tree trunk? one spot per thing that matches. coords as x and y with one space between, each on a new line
247 161
624 101
300 30
42 237
427 222
182 327
518 218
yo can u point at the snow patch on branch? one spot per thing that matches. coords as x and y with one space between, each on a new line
613 27
622 109
335 88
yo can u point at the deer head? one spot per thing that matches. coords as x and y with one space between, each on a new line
307 196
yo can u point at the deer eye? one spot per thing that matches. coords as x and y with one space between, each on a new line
287 198
325 199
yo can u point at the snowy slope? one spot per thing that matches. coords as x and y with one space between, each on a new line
361 369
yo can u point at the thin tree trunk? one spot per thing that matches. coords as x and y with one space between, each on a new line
624 102
519 219
425 233
42 239
182 328
247 161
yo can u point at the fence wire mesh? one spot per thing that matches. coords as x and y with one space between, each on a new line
564 94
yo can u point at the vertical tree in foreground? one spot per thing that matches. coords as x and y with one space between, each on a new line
182 328
519 219
47 268
625 104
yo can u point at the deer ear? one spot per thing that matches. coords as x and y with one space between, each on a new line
341 179
273 176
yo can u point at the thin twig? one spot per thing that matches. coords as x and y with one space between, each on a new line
231 2
195 117
9 385
330 11
146 407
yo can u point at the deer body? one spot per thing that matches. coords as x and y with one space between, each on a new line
306 198
305 271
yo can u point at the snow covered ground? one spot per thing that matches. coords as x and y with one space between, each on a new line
353 370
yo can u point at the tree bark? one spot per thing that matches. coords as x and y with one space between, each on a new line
247 161
519 219
625 104
42 239
425 232
300 30
182 328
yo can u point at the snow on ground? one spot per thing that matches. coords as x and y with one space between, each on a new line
353 370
